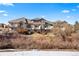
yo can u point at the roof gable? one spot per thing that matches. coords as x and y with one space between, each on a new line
23 19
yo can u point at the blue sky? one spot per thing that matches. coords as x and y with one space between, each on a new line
50 11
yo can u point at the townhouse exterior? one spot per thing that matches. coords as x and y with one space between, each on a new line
21 22
4 28
30 24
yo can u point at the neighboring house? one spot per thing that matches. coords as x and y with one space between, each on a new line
4 28
38 23
33 24
41 23
21 22
76 26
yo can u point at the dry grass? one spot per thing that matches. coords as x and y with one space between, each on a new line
40 41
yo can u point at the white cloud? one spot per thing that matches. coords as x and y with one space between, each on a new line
77 6
66 11
7 4
3 13
43 16
73 9
68 16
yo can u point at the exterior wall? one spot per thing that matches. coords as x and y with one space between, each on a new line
16 25
49 27
35 25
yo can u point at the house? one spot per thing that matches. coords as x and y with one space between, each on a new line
40 23
20 22
4 28
76 26
36 24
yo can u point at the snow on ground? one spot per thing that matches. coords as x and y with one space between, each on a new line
40 53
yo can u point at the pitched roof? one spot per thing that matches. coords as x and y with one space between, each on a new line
38 19
23 19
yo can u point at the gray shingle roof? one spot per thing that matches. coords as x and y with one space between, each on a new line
23 19
38 19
